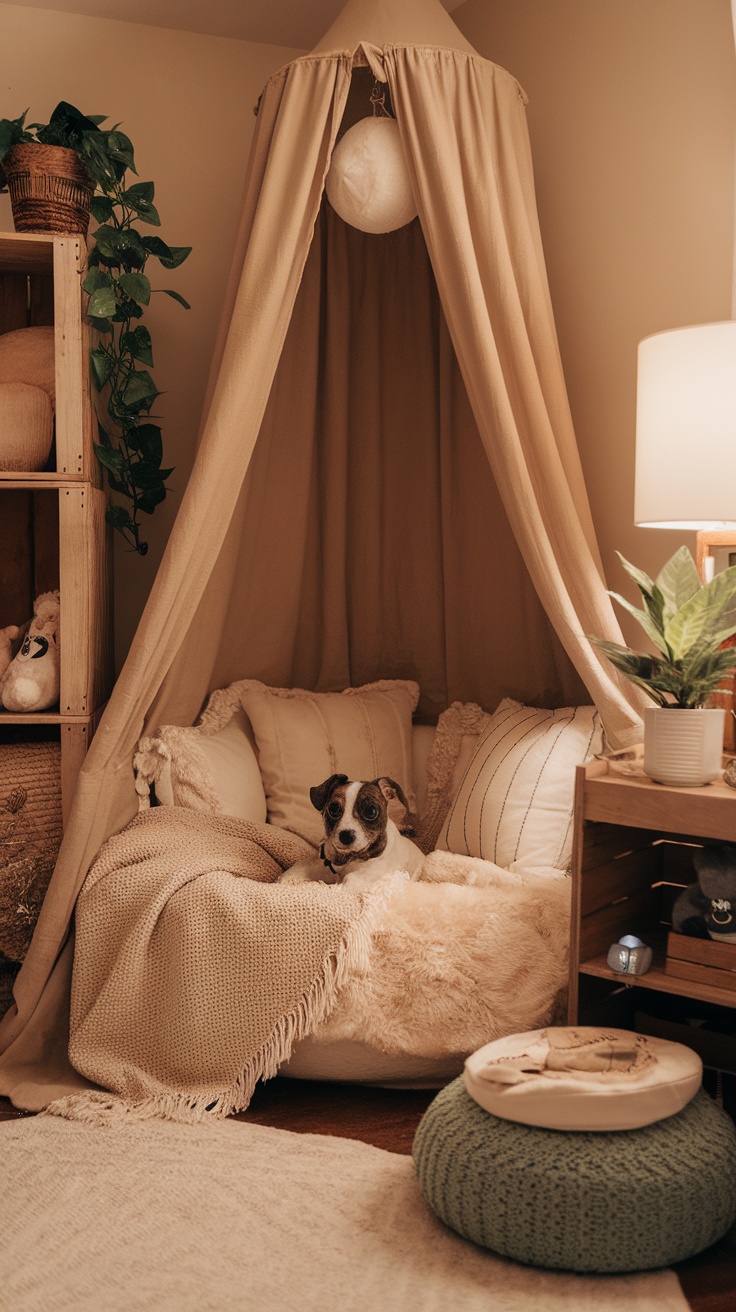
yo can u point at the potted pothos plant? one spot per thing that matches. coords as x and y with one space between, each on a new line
130 443
687 621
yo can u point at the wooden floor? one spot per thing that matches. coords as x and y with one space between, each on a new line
387 1118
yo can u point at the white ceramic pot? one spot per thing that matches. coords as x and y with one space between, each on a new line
683 748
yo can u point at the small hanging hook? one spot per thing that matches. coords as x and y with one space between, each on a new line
378 100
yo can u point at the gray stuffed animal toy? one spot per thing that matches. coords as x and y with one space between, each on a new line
708 909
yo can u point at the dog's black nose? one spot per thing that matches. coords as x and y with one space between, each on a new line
347 837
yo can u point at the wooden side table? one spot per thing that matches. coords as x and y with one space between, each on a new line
632 853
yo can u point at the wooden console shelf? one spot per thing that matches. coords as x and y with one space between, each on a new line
52 522
632 854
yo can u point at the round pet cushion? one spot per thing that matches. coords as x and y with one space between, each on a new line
588 1202
583 1078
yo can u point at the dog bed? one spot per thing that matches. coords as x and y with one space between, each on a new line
470 952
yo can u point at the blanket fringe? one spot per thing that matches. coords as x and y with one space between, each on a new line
352 956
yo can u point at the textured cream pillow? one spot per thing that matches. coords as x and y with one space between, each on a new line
27 356
210 767
514 804
304 737
452 748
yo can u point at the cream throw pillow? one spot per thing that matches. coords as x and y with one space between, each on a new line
304 737
514 804
211 766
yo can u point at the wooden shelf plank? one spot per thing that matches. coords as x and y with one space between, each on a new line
656 979
41 717
638 801
27 252
41 482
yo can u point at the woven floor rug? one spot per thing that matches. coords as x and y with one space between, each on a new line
163 1217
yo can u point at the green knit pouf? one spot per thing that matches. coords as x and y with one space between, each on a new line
627 1200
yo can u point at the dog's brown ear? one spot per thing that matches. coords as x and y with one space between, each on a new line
398 807
321 794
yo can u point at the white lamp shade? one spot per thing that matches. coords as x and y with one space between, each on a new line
368 182
686 429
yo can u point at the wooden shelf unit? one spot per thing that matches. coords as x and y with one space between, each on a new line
52 523
632 853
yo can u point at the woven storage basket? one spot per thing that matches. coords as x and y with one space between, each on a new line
50 190
30 835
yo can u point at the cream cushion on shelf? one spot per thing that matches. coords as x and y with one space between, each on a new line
210 767
304 737
26 426
515 801
583 1078
27 356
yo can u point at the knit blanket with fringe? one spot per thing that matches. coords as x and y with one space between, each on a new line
194 971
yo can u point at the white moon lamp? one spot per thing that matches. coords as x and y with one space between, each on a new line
368 181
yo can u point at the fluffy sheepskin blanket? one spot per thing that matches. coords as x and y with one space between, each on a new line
195 971
466 955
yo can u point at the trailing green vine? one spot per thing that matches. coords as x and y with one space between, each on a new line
130 447
130 444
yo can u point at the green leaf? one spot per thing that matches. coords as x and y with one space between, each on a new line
100 325
710 614
178 255
170 256
138 343
102 303
120 246
140 191
635 666
146 438
642 580
110 457
175 295
95 279
101 208
136 286
678 581
140 390
102 366
118 517
109 243
645 619
148 213
120 148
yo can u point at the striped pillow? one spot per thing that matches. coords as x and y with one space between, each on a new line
515 801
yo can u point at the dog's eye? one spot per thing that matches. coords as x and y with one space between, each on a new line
334 811
370 811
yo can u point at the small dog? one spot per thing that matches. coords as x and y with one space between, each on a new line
362 841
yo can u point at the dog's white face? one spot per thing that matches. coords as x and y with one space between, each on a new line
356 816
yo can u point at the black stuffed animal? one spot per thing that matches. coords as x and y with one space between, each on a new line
708 909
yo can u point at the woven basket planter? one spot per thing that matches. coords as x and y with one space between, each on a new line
50 189
30 836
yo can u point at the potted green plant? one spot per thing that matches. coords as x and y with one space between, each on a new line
687 621
42 166
130 446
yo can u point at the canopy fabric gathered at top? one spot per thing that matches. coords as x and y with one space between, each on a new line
387 482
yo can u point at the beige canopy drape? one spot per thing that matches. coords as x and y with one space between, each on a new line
369 536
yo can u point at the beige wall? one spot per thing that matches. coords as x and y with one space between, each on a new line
632 114
186 101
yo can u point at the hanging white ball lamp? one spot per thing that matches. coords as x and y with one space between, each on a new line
368 181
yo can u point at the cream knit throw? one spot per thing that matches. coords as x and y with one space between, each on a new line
194 972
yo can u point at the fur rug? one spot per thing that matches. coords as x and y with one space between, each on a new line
469 953
199 1218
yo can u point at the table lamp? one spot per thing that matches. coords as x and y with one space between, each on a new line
686 441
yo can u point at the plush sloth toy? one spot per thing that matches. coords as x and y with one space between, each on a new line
31 680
